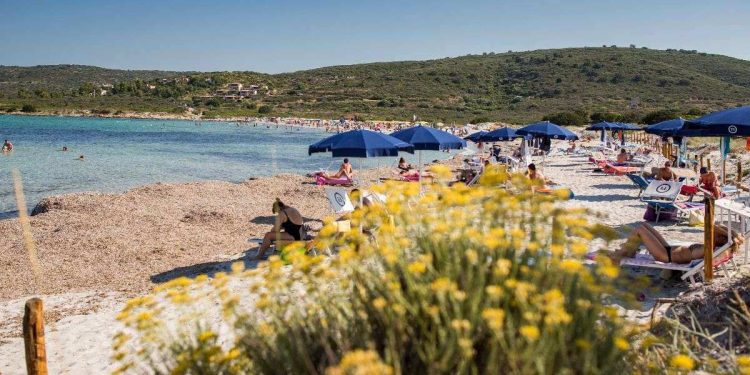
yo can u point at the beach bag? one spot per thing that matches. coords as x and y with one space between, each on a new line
650 214
695 218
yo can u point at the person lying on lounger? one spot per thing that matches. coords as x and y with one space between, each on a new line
658 247
623 156
403 166
287 227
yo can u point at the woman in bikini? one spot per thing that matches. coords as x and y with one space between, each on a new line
658 247
287 228
710 182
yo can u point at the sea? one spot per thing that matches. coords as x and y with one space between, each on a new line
119 154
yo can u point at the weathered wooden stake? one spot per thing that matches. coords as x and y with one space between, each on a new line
708 239
708 164
739 171
701 161
724 170
33 337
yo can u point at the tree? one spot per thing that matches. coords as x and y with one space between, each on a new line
28 108
567 118
659 116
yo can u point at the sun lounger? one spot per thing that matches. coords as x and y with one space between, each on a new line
339 200
661 196
322 180
619 170
639 181
721 258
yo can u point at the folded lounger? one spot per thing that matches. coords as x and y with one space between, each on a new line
639 181
661 196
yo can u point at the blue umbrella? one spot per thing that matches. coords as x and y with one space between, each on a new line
546 129
428 138
733 122
605 125
361 144
502 134
666 128
476 137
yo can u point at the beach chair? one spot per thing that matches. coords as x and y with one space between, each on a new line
661 196
339 200
618 169
721 259
639 181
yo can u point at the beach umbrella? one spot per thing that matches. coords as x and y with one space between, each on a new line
603 126
502 134
733 122
666 128
429 138
476 137
360 144
546 129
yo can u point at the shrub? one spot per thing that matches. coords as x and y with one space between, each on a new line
659 116
28 108
264 109
453 280
567 118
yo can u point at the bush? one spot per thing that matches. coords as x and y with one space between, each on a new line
264 109
28 108
659 116
453 280
567 118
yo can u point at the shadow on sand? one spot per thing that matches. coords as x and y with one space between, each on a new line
209 268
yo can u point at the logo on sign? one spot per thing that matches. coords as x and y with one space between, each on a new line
732 129
339 199
663 188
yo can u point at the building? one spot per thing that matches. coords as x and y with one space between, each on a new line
236 87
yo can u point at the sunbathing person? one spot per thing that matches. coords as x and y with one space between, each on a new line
710 182
623 156
403 166
658 247
535 176
345 171
666 173
287 227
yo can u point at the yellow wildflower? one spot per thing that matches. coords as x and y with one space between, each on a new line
529 332
571 265
379 303
494 318
621 343
417 267
682 362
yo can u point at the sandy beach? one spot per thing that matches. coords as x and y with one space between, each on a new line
98 250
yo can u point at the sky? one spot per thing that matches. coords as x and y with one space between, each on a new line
289 35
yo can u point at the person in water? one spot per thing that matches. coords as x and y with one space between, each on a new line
81 158
64 149
7 146
287 227
658 247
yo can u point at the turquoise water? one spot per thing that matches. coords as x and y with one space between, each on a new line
124 153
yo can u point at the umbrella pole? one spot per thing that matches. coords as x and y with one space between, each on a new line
420 170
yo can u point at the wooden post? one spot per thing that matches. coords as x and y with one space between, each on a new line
708 239
724 170
701 161
739 170
708 163
33 337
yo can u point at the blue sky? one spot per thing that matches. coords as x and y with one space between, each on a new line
281 36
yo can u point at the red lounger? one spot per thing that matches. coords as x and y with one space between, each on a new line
619 170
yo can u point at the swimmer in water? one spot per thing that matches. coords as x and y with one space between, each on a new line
65 149
80 158
7 146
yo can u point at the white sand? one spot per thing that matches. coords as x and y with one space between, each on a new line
80 341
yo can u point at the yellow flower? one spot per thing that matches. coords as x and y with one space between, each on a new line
205 336
494 291
743 361
442 285
609 271
682 362
529 332
621 343
417 267
571 265
502 267
494 318
379 303
472 256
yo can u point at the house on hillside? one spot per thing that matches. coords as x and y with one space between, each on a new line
236 87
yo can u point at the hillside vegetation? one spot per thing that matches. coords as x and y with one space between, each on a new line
615 83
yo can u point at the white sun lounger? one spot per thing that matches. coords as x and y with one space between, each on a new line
691 270
339 200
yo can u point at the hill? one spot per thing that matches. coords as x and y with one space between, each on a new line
620 83
63 78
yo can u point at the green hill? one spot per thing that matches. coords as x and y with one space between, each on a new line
625 83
